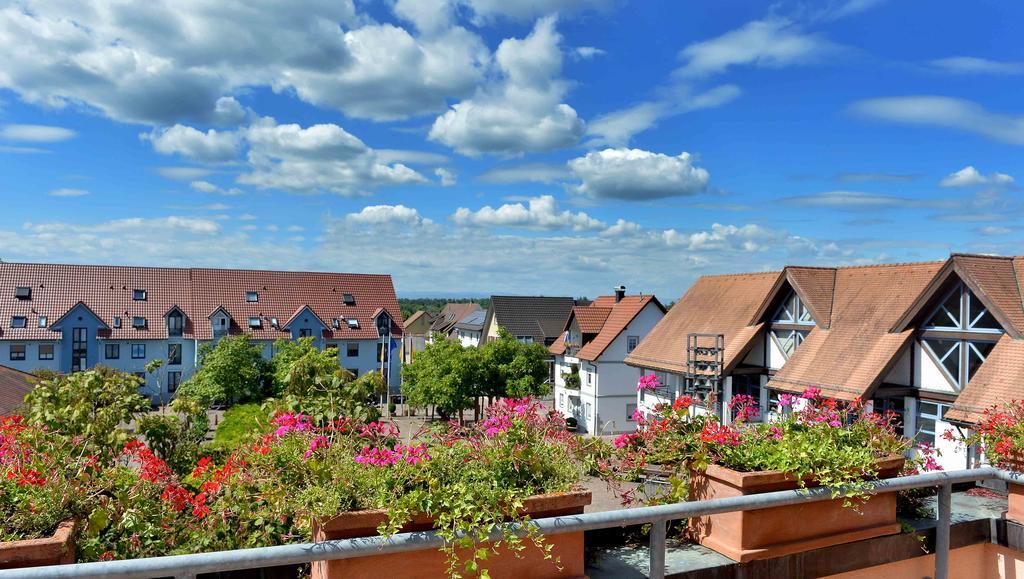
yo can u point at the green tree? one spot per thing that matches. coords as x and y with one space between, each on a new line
176 437
509 368
298 366
232 371
445 375
90 404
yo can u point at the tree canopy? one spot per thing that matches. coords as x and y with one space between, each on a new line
232 371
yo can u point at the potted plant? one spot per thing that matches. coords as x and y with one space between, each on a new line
46 483
1000 436
816 442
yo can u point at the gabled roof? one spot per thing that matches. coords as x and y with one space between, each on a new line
719 304
298 312
56 324
590 318
451 314
848 360
993 280
620 314
998 381
473 322
198 293
814 285
14 385
220 309
540 317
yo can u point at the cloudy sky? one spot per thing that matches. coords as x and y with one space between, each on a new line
537 146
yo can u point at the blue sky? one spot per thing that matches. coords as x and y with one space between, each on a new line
543 146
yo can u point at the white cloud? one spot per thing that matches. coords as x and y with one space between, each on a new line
165 62
210 147
522 111
944 112
970 177
22 150
619 127
319 158
974 65
69 192
35 133
623 227
487 10
586 52
745 238
531 172
411 157
769 43
131 225
852 200
247 217
388 214
207 187
540 213
447 176
183 173
994 230
635 174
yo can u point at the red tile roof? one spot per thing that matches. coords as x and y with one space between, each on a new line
719 304
107 290
619 316
999 380
591 318
14 385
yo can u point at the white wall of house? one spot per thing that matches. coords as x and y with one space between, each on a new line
31 363
927 374
900 371
776 358
468 338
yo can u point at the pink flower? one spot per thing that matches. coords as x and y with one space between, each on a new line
289 422
648 382
811 393
316 444
786 399
775 432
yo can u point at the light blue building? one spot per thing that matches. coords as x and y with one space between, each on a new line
68 318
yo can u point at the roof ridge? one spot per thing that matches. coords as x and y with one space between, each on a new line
189 269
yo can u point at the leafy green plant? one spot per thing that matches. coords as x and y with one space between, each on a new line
176 437
233 371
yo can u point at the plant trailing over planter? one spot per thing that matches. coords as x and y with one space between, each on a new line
999 434
835 444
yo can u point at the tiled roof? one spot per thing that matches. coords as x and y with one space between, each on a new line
591 318
816 286
474 321
107 290
619 316
852 357
999 380
14 385
719 304
540 317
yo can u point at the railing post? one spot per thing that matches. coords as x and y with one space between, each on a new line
657 549
942 532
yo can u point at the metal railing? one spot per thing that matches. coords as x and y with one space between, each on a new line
188 566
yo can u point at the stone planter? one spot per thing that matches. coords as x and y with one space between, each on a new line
777 531
432 563
56 550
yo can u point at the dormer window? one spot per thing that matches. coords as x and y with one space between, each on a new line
349 299
175 324
117 321
252 297
23 293
19 321
353 323
139 295
959 335
790 324
138 322
255 322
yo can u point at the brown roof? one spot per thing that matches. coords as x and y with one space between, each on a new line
591 318
14 385
720 304
107 291
540 317
999 380
451 314
619 316
855 353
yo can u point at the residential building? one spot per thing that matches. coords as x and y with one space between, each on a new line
14 385
935 342
68 318
419 323
469 330
451 314
592 382
531 319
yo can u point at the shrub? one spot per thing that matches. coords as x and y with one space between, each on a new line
233 371
175 438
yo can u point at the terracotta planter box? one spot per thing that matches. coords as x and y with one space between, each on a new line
56 550
1014 493
777 531
432 563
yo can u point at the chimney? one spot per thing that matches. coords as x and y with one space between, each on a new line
620 292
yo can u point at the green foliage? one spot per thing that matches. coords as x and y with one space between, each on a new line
176 438
444 374
410 306
231 372
298 366
511 369
238 424
90 404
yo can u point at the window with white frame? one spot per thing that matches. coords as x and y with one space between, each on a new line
928 414
791 323
960 334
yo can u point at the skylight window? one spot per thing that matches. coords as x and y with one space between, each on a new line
19 321
335 323
252 297
353 323
42 321
255 322
349 299
138 322
117 321
273 322
139 295
23 293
